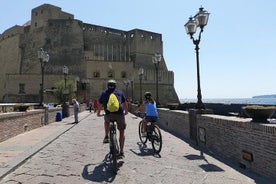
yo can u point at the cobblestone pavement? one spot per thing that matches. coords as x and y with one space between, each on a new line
78 156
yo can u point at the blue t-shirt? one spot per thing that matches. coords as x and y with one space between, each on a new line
105 96
151 109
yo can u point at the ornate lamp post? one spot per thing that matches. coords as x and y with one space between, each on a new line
156 60
65 73
199 20
65 105
140 73
43 57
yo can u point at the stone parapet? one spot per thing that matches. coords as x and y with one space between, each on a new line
14 123
247 144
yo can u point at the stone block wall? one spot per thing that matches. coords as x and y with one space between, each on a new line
234 137
247 144
175 121
12 124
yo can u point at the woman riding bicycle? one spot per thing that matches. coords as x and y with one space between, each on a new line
151 111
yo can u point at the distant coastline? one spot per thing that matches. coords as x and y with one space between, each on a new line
265 96
259 100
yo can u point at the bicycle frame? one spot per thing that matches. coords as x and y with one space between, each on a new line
113 144
153 135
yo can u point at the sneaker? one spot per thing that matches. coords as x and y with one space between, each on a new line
106 139
121 155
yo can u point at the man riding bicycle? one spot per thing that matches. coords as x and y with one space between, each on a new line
118 116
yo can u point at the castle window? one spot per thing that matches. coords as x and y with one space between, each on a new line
48 40
96 74
110 74
35 13
41 11
123 74
21 88
35 24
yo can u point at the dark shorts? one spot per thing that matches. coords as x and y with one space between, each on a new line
119 118
151 118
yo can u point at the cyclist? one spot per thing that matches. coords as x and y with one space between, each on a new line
118 116
151 111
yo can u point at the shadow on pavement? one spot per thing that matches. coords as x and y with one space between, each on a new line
101 173
206 167
145 151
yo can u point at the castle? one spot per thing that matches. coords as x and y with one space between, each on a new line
92 53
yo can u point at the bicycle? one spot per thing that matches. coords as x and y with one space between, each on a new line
113 145
153 134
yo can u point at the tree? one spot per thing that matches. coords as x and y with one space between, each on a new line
62 94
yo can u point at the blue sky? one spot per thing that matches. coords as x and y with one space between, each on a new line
237 49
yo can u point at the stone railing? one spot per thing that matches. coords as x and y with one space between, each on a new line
246 144
14 123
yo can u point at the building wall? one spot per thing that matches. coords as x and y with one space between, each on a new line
81 47
228 137
9 60
12 124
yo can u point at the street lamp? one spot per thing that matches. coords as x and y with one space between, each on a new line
65 106
43 57
156 60
140 73
65 73
199 20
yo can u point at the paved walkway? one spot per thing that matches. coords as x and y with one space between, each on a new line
63 152
18 149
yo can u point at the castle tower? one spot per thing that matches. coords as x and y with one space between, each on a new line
92 53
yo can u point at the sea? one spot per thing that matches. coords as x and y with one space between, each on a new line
256 101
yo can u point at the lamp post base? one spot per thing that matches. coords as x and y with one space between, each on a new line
199 105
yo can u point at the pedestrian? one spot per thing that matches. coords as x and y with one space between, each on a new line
151 111
90 105
118 116
76 108
95 105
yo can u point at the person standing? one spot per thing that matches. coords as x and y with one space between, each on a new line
76 108
118 116
95 105
90 105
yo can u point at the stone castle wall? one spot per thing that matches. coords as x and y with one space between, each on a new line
85 49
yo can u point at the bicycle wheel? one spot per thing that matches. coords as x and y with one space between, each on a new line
143 139
156 139
114 151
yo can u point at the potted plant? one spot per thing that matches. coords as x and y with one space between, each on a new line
259 113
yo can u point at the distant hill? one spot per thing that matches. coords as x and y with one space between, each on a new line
265 96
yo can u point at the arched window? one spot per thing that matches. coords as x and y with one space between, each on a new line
96 74
123 74
110 74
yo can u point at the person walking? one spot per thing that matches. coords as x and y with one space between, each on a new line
76 108
118 116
